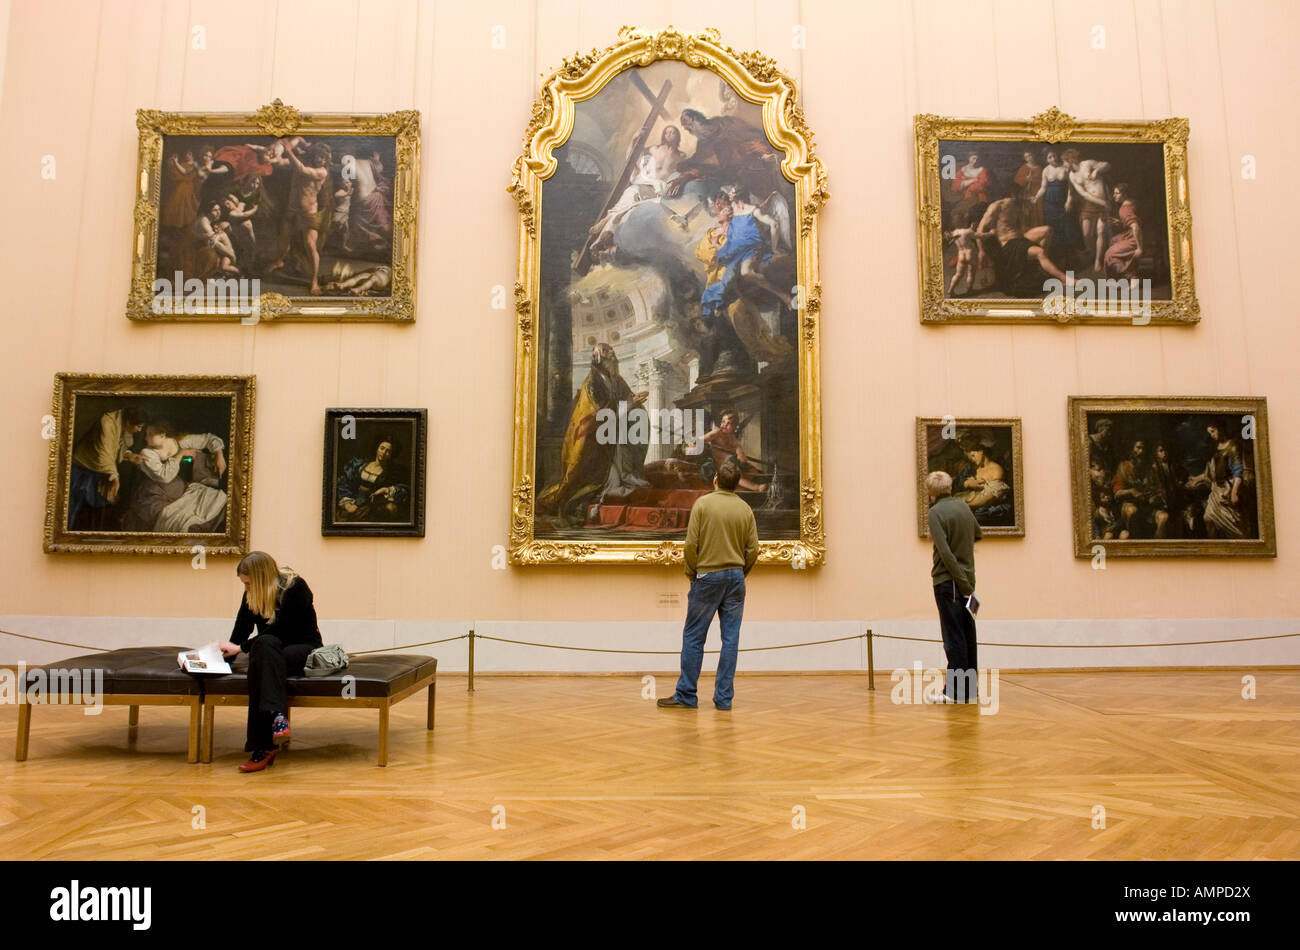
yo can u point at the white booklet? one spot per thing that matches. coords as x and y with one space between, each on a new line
205 659
973 604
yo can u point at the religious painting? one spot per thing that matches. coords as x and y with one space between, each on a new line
986 461
1167 475
275 215
668 304
1054 220
149 464
374 473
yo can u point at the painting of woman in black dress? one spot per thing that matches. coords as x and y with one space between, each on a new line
374 473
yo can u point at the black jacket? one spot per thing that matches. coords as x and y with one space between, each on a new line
295 619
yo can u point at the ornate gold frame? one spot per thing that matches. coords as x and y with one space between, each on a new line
1051 126
68 386
1081 495
758 79
1016 530
277 119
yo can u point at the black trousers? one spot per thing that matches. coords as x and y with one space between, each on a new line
270 664
958 629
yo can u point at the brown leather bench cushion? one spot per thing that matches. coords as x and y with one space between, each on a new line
142 670
378 675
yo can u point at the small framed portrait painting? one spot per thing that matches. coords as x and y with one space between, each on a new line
374 473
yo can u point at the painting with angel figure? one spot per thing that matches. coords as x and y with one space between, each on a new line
668 312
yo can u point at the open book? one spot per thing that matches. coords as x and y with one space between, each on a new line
205 659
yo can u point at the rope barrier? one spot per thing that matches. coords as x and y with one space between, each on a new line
560 646
426 643
1098 646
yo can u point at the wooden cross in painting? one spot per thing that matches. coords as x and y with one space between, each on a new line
657 109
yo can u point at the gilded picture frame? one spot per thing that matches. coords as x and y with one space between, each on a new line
756 83
1158 252
371 279
964 447
1170 476
144 464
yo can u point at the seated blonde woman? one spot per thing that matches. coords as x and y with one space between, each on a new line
279 604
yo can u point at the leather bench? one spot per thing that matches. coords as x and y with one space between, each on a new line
133 676
369 682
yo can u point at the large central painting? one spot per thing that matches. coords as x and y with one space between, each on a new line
669 260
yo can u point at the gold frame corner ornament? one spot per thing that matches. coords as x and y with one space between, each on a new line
277 120
242 391
1051 126
758 79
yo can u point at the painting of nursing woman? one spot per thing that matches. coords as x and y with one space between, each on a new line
150 464
985 459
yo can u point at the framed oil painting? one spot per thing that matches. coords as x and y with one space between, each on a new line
374 473
985 458
275 215
1166 475
150 464
667 303
1054 220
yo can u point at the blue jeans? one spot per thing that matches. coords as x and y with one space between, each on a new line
723 593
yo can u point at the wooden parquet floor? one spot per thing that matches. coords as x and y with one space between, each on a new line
584 767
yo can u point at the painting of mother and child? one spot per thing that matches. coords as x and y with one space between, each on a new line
669 310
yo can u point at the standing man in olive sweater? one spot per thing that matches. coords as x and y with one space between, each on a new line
955 531
721 547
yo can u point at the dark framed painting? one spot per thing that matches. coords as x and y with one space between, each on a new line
1171 476
150 464
1054 219
374 473
668 304
985 458
275 215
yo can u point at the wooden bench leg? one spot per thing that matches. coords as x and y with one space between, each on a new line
133 716
192 750
209 719
24 729
429 719
383 736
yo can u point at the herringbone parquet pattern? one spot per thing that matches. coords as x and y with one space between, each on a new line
584 767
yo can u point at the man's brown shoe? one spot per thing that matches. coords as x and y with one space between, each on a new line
671 701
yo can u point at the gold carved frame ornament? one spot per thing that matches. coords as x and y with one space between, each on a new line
279 120
758 79
1053 127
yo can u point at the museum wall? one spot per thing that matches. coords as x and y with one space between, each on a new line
76 71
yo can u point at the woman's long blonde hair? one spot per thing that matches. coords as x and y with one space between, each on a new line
267 582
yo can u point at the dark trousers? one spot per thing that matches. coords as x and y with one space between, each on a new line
270 664
958 629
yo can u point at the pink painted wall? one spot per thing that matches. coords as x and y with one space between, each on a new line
76 71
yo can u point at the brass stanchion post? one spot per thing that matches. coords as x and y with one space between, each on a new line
871 663
471 659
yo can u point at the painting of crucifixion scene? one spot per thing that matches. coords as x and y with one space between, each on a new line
306 214
668 312
1019 215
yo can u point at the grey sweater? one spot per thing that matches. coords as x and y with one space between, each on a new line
955 531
